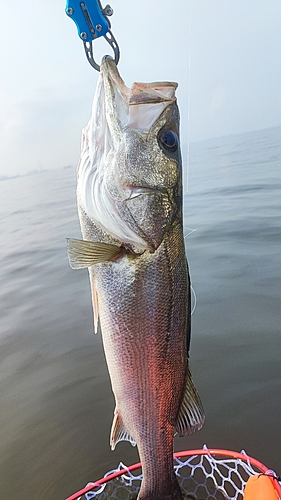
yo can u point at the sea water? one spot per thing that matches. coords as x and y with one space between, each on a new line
55 395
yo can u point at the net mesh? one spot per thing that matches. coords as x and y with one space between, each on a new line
201 477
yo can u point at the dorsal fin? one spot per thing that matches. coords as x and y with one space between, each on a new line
191 413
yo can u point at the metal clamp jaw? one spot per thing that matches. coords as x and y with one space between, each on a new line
92 22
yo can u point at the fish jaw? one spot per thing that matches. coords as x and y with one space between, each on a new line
127 184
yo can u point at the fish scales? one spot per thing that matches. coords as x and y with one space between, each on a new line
142 293
143 344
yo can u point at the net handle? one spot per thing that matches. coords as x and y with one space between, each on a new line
180 454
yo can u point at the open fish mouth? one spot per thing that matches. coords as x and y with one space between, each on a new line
137 107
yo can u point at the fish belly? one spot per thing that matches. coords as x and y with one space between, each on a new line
143 309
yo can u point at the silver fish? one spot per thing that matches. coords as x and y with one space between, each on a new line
129 193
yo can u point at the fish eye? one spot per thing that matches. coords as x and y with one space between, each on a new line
169 140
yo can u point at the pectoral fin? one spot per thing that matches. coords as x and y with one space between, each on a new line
191 414
118 431
87 253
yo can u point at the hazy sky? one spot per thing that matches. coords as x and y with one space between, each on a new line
232 47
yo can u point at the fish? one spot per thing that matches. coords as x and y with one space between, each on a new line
129 198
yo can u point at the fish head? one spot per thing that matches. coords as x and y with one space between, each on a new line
129 175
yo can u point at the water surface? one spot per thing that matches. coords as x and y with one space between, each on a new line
56 400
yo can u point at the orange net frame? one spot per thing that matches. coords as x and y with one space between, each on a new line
208 474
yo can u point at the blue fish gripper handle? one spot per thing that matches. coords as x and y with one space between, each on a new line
89 17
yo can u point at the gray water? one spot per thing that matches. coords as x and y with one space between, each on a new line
56 400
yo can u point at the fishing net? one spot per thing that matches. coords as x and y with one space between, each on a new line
202 474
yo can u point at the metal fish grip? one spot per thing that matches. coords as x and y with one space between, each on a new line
90 54
92 22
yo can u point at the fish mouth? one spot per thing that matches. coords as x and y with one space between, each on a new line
137 107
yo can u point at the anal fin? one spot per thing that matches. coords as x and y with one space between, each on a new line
118 431
191 414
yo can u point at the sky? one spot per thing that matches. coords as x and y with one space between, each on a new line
225 55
